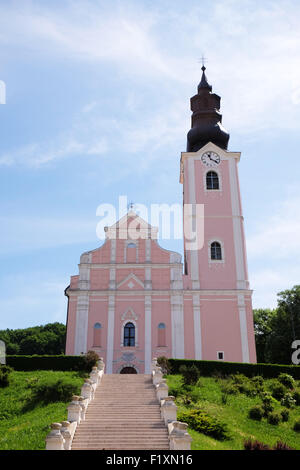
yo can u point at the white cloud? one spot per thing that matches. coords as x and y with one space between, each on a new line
253 48
37 155
253 63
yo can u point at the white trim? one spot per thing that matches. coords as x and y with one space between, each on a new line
220 352
148 328
177 325
110 334
237 230
217 261
243 328
165 292
219 173
129 320
194 264
133 265
197 327
113 250
82 314
131 276
148 249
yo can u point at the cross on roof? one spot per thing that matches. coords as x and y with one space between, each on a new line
203 60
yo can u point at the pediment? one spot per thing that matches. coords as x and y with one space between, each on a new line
130 282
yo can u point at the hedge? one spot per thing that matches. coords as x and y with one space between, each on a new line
36 362
208 368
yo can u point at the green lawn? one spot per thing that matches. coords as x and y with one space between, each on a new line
208 397
26 429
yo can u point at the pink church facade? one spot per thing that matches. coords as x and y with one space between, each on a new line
133 300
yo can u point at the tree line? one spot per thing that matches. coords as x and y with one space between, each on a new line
275 331
46 339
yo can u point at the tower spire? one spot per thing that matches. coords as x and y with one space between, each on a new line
206 118
204 83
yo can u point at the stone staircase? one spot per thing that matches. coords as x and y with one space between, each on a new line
125 414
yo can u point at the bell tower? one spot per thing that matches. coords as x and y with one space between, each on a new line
216 273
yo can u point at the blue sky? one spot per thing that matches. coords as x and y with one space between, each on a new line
97 106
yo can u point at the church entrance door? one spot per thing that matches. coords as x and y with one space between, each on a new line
128 370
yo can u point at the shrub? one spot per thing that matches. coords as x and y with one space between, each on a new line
35 362
256 412
268 403
229 388
274 418
255 445
202 422
163 362
224 398
239 378
285 414
281 446
173 392
257 381
288 400
278 390
49 391
91 358
287 380
296 396
296 426
223 368
243 385
4 375
190 374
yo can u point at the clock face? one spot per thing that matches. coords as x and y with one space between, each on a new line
210 159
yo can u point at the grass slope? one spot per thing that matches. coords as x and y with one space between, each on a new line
208 396
26 429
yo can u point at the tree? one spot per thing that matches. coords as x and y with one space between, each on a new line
285 327
262 329
275 330
46 339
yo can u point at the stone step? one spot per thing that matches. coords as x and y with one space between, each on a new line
124 415
119 447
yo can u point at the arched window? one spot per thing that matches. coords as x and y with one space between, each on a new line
212 180
216 251
130 252
97 335
129 334
161 337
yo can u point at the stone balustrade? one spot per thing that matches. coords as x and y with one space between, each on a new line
162 390
168 409
61 434
179 438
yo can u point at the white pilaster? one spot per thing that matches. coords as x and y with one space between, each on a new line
243 328
194 266
177 326
197 327
82 314
148 346
110 333
237 229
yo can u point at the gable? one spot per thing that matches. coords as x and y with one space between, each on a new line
131 282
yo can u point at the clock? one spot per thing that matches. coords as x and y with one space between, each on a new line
210 159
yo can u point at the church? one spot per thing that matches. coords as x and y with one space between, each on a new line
134 300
